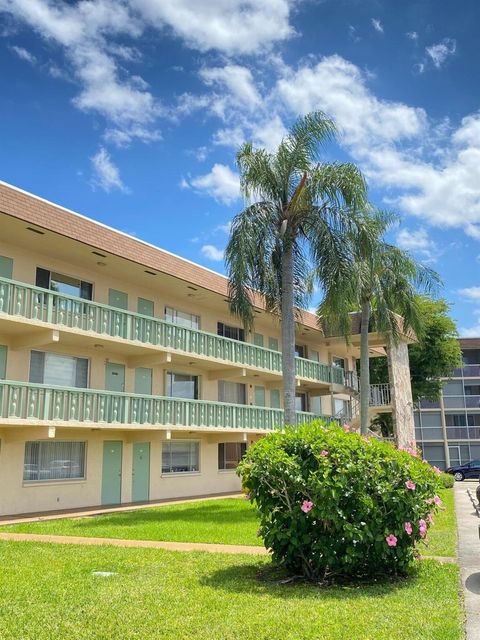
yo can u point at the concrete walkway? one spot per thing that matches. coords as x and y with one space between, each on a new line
468 523
138 544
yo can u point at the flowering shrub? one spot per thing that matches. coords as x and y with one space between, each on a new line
334 503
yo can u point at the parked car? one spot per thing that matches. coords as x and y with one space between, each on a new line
464 471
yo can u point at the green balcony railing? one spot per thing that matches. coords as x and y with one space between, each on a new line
33 402
43 305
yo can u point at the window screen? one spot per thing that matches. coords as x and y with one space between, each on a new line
180 456
54 460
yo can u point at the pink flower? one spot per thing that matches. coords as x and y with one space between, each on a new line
307 506
346 427
410 485
324 453
422 527
408 528
437 470
391 540
437 501
247 496
430 519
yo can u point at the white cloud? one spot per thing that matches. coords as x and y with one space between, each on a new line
221 183
23 54
377 25
470 332
237 80
439 52
230 26
106 174
87 32
431 172
412 35
224 228
471 294
417 241
338 87
84 31
212 253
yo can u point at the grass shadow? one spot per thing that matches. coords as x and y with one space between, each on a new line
257 579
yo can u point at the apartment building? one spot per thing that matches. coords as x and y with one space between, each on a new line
123 376
448 431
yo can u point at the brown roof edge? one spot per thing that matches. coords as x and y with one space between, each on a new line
35 210
469 343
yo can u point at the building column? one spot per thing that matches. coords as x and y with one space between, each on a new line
401 393
444 430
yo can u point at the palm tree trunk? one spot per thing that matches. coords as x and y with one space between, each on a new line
364 370
288 337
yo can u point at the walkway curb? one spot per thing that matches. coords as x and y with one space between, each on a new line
137 544
469 555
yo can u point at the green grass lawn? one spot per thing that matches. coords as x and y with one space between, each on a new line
442 536
48 592
228 521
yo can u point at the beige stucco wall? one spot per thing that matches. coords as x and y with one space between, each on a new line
17 496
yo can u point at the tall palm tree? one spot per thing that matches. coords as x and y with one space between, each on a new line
383 282
298 209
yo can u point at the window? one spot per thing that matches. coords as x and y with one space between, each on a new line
472 390
234 333
301 402
63 284
230 454
473 419
53 368
180 456
471 356
181 318
47 460
232 392
455 420
338 362
182 385
341 408
300 351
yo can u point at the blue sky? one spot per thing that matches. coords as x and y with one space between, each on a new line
130 111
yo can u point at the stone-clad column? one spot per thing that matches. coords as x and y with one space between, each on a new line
401 393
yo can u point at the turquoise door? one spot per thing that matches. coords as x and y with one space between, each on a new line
141 472
115 377
145 307
112 472
6 271
143 381
117 299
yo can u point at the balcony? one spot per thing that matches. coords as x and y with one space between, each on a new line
19 301
380 395
38 404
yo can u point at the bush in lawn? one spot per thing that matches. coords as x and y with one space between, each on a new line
333 503
447 480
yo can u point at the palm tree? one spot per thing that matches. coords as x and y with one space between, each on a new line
383 283
298 209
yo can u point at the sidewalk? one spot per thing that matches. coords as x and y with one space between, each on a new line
469 554
139 544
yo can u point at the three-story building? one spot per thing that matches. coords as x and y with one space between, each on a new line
123 376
